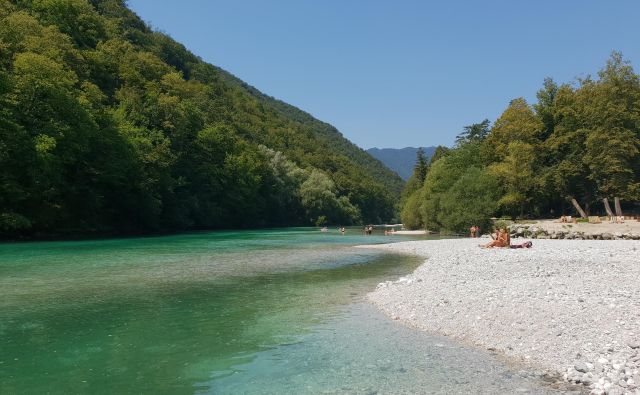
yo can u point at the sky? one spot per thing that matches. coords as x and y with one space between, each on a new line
393 74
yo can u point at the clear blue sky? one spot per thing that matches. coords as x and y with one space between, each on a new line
401 73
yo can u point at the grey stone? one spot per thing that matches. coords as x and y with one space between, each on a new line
581 367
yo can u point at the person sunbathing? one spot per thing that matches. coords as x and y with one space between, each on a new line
502 239
526 244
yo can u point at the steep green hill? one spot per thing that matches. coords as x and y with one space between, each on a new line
109 126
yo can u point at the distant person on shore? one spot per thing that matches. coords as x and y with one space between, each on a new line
472 231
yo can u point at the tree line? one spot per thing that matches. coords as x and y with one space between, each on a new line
107 126
578 141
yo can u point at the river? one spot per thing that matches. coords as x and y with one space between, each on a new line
246 312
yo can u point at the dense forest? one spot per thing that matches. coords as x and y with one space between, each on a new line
578 141
107 126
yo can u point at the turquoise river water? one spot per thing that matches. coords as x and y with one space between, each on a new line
247 312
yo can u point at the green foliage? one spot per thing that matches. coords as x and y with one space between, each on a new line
318 197
577 141
12 222
442 175
107 126
410 214
421 166
517 123
440 152
471 200
474 133
516 174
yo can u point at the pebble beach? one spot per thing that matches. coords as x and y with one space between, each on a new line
567 308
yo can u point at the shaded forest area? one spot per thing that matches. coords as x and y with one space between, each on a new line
107 127
578 141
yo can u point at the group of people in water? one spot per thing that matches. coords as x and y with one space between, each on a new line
367 230
341 229
501 239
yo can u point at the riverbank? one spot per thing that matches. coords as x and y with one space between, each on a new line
568 307
553 229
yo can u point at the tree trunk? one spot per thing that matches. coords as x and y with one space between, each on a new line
587 209
607 207
577 206
616 203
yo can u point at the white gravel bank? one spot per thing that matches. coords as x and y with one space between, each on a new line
570 307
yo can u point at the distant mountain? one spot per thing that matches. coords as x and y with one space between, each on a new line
400 160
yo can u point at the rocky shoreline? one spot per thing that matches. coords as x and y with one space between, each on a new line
570 308
568 232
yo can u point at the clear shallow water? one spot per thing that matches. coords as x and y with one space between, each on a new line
276 311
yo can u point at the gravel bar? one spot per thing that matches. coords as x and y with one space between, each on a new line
570 308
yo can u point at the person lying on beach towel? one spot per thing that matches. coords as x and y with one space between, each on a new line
526 244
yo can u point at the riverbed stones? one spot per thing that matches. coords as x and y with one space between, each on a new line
535 232
568 307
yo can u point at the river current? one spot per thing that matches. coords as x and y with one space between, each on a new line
248 312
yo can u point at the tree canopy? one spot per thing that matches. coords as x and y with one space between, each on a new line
579 141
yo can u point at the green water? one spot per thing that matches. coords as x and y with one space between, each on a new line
278 311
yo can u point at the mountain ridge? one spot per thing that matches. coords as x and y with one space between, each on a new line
400 160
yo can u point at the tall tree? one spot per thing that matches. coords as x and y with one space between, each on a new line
517 123
474 132
421 165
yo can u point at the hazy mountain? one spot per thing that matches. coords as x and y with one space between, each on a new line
400 160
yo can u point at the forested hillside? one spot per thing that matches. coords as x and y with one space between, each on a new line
107 126
578 141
